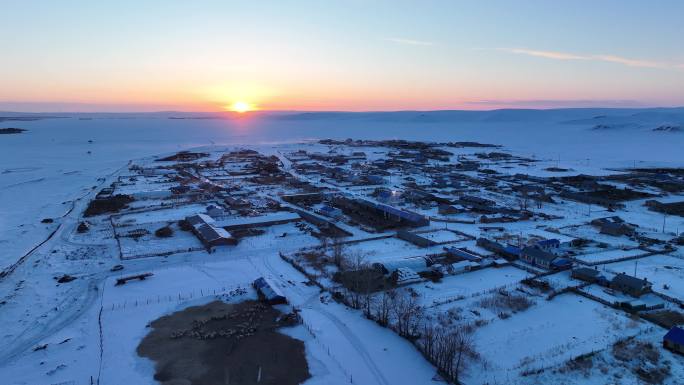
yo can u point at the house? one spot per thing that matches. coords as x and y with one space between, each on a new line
537 257
614 226
268 292
204 228
585 274
616 229
674 340
630 285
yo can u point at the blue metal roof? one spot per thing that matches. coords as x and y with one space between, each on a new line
513 250
675 335
561 262
548 242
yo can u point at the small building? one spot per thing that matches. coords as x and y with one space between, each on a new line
585 274
268 292
215 211
674 340
630 285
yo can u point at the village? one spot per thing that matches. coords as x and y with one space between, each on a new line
491 265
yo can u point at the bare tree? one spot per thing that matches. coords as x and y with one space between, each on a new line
449 348
337 251
384 307
358 277
408 313
465 348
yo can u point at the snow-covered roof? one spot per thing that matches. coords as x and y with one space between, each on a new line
281 216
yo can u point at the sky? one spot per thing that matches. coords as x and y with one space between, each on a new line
149 55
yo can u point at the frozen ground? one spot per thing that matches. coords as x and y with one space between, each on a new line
56 167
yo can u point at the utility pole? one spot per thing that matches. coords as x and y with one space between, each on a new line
636 261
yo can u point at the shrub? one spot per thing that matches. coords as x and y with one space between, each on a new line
164 232
109 205
184 225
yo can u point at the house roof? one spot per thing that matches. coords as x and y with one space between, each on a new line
267 289
548 242
586 272
676 335
629 281
538 254
210 233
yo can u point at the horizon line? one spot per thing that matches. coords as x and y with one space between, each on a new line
340 111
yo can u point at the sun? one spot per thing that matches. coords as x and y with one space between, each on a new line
241 107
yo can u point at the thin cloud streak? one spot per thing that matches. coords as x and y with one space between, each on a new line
409 41
555 55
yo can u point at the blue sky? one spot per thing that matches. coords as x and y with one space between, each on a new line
342 55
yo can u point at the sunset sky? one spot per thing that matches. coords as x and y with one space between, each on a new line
339 55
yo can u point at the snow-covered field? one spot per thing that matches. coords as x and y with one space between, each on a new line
661 270
548 334
87 330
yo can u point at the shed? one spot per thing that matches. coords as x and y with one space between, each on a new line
268 292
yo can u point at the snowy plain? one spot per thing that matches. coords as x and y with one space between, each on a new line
54 167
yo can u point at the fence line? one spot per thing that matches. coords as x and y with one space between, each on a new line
232 291
309 329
